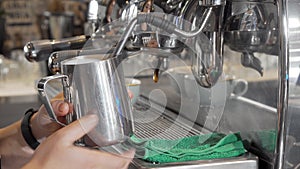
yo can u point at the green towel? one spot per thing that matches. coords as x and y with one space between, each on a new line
198 147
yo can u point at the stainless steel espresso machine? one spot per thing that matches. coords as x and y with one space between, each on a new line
253 40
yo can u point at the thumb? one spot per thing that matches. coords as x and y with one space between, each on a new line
79 128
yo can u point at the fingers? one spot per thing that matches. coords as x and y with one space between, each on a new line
43 121
43 125
79 128
60 108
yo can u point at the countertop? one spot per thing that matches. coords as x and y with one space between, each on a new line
12 88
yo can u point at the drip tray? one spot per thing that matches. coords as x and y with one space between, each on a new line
247 161
157 122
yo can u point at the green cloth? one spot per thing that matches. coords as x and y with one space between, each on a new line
198 147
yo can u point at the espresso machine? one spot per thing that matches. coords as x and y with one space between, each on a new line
254 40
254 29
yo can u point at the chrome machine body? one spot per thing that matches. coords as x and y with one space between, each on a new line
257 33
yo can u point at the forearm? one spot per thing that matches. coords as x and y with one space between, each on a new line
14 150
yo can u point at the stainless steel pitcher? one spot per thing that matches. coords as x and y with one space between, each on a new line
95 85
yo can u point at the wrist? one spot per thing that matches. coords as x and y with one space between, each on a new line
27 130
42 126
36 127
13 148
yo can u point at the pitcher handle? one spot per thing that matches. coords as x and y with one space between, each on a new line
45 99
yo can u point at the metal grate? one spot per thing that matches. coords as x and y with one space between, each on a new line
154 122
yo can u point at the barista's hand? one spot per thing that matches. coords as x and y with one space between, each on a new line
41 124
58 150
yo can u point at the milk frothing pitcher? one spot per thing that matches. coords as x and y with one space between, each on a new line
94 84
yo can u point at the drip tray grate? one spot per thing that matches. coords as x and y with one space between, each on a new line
156 122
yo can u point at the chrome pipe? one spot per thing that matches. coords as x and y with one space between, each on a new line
121 44
207 14
40 50
283 74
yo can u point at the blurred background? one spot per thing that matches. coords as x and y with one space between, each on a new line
22 21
